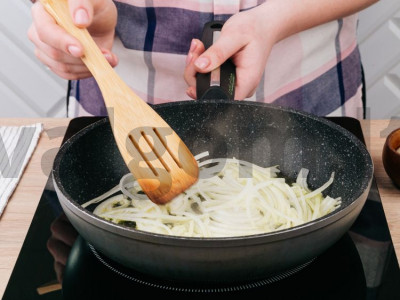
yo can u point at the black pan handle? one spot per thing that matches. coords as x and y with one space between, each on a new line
220 83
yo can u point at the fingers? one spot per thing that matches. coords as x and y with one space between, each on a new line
230 44
55 48
48 32
248 62
62 64
247 81
245 86
81 12
60 51
247 50
191 92
226 46
248 75
196 49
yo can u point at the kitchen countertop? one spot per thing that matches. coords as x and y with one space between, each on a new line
17 216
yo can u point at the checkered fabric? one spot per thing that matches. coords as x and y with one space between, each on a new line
317 70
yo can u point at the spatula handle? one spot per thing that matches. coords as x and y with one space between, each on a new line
92 56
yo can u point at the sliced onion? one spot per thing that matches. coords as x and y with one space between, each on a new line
222 203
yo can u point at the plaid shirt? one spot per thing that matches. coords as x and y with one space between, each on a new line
317 70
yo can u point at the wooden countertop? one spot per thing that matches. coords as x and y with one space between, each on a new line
16 218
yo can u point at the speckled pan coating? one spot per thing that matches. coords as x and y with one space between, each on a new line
89 164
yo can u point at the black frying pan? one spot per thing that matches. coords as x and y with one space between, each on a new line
89 164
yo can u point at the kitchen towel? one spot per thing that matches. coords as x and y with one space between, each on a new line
16 147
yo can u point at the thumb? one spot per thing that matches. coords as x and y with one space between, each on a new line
218 53
81 12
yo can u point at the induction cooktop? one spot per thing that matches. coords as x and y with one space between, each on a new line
361 265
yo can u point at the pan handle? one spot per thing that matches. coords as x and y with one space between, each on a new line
219 83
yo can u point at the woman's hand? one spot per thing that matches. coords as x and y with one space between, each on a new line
247 40
60 51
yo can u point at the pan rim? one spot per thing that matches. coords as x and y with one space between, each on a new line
251 239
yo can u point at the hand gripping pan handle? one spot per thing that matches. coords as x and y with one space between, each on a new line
219 84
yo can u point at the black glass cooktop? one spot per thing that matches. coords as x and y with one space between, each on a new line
56 263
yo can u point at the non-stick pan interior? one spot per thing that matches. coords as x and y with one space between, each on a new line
89 164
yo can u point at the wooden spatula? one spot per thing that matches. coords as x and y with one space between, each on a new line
153 152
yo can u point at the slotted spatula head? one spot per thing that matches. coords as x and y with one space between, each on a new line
153 152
